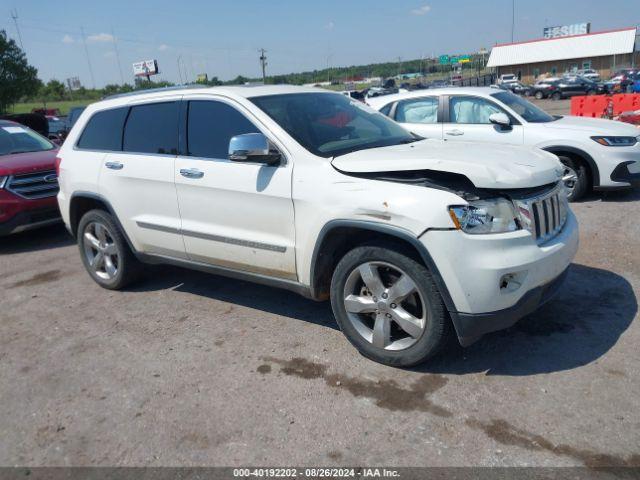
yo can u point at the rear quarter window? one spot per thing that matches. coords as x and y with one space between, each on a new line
104 130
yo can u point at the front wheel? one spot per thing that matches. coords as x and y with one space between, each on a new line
575 178
389 307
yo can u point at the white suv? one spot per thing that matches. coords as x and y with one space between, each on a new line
305 189
597 153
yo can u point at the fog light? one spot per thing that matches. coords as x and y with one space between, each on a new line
510 282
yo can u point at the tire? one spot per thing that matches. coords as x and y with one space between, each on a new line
371 325
539 95
591 92
576 178
106 255
556 96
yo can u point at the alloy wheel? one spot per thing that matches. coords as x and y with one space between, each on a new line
385 306
101 251
570 179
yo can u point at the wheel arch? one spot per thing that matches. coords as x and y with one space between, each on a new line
337 237
82 202
594 173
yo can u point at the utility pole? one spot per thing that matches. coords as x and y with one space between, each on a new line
263 62
180 69
399 66
86 51
115 48
14 15
513 18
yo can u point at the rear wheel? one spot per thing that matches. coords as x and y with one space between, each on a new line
104 251
388 306
575 178
539 95
556 96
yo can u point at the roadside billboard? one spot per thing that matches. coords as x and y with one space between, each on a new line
145 68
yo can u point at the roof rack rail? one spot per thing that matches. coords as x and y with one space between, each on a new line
154 90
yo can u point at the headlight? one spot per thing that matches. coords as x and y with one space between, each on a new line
496 215
616 141
3 181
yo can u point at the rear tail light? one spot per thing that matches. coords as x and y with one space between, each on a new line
58 161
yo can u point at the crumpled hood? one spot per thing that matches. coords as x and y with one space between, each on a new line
485 165
594 126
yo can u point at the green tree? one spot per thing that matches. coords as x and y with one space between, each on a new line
53 90
17 78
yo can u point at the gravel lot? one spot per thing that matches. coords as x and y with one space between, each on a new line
192 369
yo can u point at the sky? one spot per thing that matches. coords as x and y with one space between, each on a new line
222 37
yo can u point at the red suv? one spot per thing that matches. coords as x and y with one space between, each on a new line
28 180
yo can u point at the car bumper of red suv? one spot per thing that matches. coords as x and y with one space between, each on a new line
18 214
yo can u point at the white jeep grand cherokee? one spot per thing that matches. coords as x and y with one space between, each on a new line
412 240
597 153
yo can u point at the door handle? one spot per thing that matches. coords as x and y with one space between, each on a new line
191 173
454 133
114 165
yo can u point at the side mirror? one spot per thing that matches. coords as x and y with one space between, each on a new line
500 119
253 148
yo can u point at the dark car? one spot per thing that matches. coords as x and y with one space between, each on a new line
73 116
57 127
28 179
567 87
518 88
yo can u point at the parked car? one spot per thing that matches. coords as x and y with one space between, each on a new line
74 114
623 79
411 239
439 84
35 121
47 111
57 128
543 88
28 184
589 73
596 153
507 78
567 87
518 88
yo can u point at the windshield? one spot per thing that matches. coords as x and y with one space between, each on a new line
329 124
20 139
526 110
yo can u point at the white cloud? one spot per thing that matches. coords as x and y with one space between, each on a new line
100 37
330 26
67 39
163 48
423 10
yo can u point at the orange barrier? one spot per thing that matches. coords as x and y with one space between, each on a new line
595 106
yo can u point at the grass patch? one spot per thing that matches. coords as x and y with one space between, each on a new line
63 105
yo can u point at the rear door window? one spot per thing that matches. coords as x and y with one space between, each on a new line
152 128
104 130
211 125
